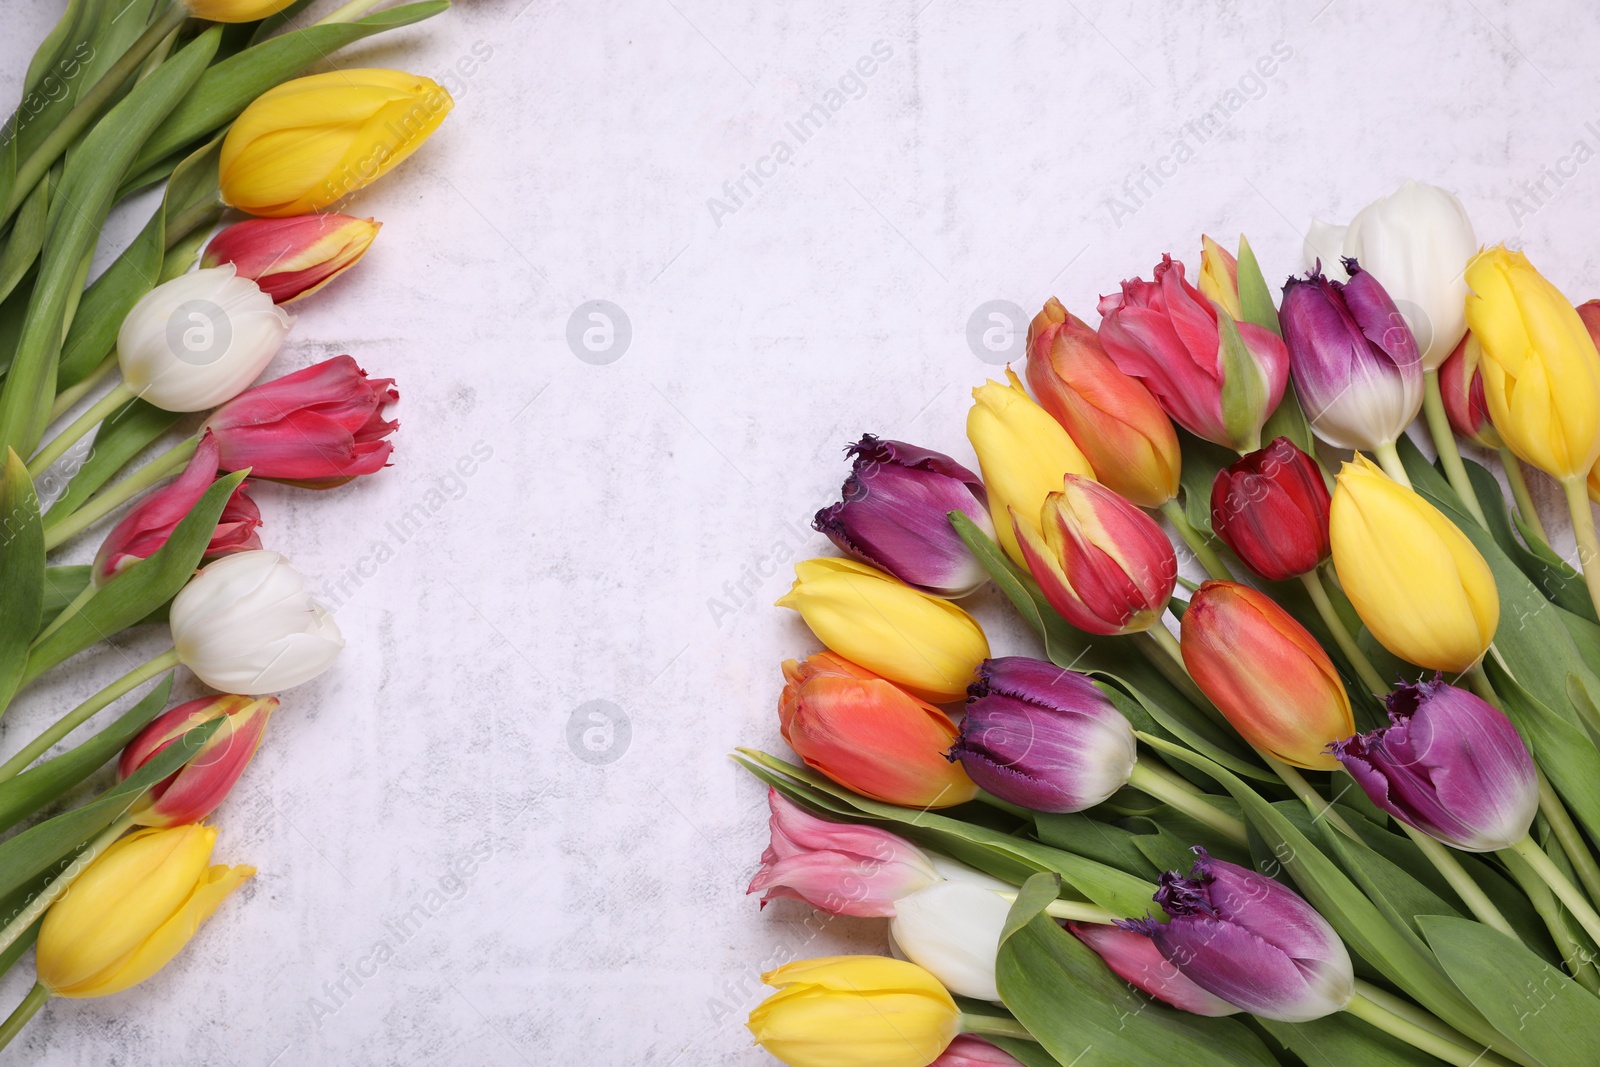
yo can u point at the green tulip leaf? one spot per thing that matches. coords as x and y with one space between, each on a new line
61 587
1341 1040
21 574
1201 462
124 434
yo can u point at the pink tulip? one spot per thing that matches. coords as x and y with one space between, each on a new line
194 792
1135 959
293 257
969 1051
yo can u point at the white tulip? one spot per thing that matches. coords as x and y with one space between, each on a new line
199 340
952 930
246 624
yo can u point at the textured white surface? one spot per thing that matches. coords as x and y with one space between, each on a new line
612 508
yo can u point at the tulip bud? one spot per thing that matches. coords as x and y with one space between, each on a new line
132 910
1266 674
895 516
199 339
1113 420
1461 384
1134 958
1217 377
246 624
195 790
1250 941
870 735
855 1011
312 141
1450 765
1414 578
1589 312
145 529
1271 508
1219 277
1022 451
952 929
922 642
1355 363
317 428
1101 562
234 10
1043 737
294 257
969 1051
842 868
1541 371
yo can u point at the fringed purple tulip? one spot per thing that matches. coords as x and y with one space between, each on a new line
1450 765
895 516
1043 737
1135 959
1354 360
841 868
1250 940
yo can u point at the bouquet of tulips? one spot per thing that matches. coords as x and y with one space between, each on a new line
204 96
1342 808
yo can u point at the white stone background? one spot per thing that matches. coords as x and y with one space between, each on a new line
582 561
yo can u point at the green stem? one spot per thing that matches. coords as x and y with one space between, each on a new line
1565 891
1519 493
63 881
1165 655
1389 460
1424 1038
58 531
994 1024
1197 542
1583 530
1472 895
1006 806
1410 1012
74 393
97 413
1319 808
69 612
1444 441
1076 910
26 1010
1342 636
78 715
1574 955
89 106
1201 811
349 12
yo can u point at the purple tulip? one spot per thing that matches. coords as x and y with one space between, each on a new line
1135 959
895 516
1253 942
1450 765
1354 360
1043 737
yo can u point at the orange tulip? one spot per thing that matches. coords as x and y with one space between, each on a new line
868 734
1266 674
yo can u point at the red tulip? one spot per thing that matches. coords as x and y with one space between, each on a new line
194 792
318 427
1271 508
1461 384
292 257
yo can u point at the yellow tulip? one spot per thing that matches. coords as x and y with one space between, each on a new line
1023 452
924 643
235 10
310 142
132 910
855 1011
1413 577
1541 372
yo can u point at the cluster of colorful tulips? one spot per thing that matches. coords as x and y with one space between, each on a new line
1338 803
204 96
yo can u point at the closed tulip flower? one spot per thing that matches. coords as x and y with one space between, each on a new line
1415 579
1111 417
1101 562
293 257
309 142
1448 764
952 929
246 624
842 868
234 10
1134 958
1541 372
1461 384
145 529
922 642
1271 508
1589 312
1250 941
132 910
1043 737
318 427
1356 365
198 340
194 791
1266 674
1219 277
1022 451
894 515
969 1051
870 735
1218 378
855 1011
